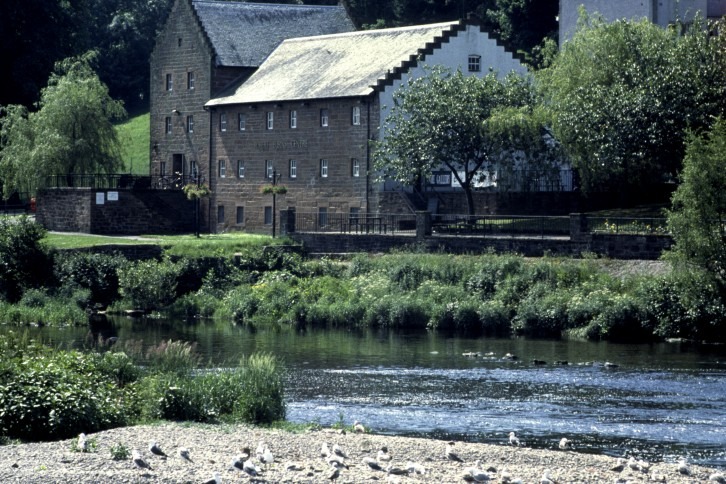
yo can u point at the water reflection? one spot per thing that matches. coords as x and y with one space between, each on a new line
662 401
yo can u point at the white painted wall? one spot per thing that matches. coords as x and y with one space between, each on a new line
661 12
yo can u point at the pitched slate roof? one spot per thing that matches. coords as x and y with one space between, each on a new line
244 34
342 65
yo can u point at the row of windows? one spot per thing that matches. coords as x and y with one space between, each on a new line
168 124
267 215
292 168
169 82
292 119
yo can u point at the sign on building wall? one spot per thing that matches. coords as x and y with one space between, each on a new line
100 198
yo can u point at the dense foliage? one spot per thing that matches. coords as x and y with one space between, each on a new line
623 94
53 394
698 217
71 133
24 262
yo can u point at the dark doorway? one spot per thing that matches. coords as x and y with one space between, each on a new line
178 163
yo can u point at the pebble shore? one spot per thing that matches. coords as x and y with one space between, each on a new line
297 459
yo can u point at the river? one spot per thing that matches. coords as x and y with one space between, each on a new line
657 401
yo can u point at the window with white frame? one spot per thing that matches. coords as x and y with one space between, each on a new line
222 168
324 168
293 119
293 168
240 169
355 167
474 63
355 118
223 121
242 121
190 124
268 169
268 215
270 119
190 80
240 215
167 125
324 118
169 82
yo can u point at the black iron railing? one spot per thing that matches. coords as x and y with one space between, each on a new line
355 223
539 226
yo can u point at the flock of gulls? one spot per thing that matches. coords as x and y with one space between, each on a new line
536 362
253 465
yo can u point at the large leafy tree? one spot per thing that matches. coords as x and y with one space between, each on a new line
623 94
467 124
697 219
72 131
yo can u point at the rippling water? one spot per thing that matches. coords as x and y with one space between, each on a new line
661 402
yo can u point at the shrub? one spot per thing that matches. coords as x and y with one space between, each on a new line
148 284
93 271
174 357
24 261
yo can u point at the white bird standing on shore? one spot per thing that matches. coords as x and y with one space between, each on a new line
565 443
358 428
82 442
337 450
267 457
514 440
138 460
325 450
215 479
184 454
383 454
547 478
155 449
477 473
415 468
450 454
683 467
250 468
372 463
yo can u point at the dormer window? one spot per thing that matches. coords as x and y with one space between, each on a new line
474 63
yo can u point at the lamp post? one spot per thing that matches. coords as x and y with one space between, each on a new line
274 189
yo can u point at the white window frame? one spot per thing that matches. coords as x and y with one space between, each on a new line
293 119
167 125
169 82
267 215
355 116
240 169
355 167
190 80
242 121
324 117
223 122
324 168
222 168
270 119
293 168
474 63
268 169
190 123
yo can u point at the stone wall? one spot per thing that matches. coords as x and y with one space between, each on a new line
122 212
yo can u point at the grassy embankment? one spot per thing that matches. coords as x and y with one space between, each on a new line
134 137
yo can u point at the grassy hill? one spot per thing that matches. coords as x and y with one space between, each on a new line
134 137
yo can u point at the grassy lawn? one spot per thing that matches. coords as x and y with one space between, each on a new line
134 137
207 244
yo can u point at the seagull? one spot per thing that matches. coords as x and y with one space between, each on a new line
155 449
260 450
184 454
396 471
372 463
138 460
477 474
619 465
717 477
358 427
324 450
82 442
683 467
415 468
383 454
337 450
565 443
237 463
267 457
450 454
514 440
215 479
333 474
336 461
250 468
547 478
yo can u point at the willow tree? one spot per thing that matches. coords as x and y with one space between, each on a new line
72 132
469 125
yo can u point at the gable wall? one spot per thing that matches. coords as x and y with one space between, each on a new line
168 56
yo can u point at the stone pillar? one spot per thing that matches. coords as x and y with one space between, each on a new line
423 224
578 227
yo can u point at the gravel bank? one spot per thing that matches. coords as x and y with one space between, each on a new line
297 459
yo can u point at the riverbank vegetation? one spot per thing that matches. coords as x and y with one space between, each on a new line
490 294
50 394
